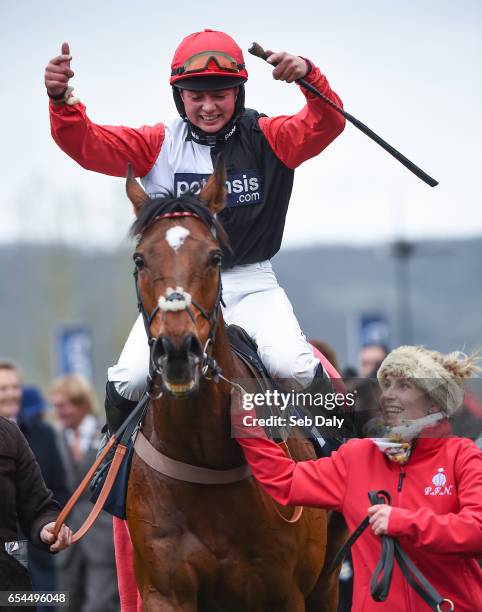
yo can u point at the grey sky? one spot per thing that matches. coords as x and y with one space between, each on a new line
410 70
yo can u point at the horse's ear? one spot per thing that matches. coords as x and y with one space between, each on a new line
213 193
135 193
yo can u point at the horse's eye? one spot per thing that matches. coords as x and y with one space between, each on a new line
138 261
216 258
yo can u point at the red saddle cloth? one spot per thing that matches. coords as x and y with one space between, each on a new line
130 598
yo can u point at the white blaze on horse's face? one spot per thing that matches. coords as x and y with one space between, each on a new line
175 236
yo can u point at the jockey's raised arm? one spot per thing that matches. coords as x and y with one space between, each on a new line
108 149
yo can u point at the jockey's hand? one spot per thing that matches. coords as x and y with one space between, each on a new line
58 72
379 517
63 540
289 67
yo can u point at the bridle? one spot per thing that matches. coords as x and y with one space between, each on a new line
178 300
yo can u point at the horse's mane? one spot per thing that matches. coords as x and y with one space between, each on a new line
188 202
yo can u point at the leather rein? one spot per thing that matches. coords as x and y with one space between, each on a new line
391 552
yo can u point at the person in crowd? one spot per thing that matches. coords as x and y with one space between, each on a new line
42 439
260 153
26 406
27 502
365 385
370 356
10 389
434 480
467 421
86 570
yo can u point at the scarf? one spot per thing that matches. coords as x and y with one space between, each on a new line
398 442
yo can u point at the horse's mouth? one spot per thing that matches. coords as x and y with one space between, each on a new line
181 390
178 365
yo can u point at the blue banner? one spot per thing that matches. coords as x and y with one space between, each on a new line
373 329
74 351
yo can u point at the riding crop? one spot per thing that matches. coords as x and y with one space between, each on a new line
258 51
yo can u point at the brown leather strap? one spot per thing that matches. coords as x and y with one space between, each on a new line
94 513
199 475
298 511
120 451
184 471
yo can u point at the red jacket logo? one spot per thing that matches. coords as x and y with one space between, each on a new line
439 485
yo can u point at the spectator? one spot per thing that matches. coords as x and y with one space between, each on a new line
25 499
10 389
370 357
467 421
434 479
26 406
87 569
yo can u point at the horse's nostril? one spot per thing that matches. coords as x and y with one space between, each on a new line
192 345
196 347
162 349
166 350
165 345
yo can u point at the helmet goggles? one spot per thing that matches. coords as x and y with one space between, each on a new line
200 62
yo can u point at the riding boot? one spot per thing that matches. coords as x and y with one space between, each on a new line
331 437
117 408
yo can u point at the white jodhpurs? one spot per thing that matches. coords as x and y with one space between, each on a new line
254 301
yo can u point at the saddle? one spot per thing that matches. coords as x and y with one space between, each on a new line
245 348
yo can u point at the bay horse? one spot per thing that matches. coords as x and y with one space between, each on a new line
206 547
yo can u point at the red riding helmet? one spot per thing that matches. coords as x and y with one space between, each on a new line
208 60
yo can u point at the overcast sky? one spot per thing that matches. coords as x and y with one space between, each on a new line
410 70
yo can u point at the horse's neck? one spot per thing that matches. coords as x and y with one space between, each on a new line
198 430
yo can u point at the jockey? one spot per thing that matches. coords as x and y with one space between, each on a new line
208 74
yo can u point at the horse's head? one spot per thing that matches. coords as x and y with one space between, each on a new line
178 278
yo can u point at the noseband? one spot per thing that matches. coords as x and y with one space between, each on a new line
176 301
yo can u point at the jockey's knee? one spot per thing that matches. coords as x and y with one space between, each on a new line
305 367
298 369
129 382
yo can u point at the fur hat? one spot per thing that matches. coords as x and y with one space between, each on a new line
440 376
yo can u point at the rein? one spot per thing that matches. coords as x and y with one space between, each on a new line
392 551
119 440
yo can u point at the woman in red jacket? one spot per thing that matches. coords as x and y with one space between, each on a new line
434 480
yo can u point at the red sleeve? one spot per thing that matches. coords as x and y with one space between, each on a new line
453 533
104 148
319 483
296 138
